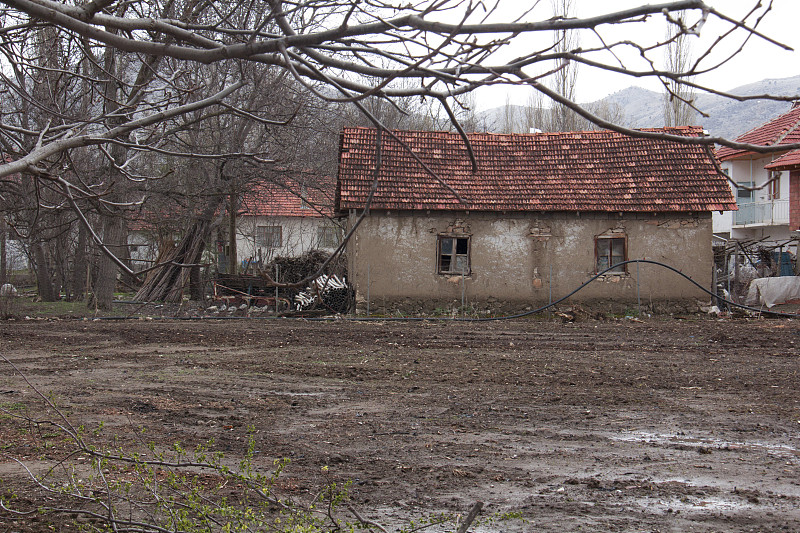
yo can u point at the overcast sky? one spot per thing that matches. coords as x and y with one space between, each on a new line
758 61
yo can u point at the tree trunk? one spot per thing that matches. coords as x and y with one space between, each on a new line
196 291
106 282
79 266
232 255
43 281
3 261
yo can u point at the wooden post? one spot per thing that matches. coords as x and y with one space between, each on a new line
232 259
277 280
3 263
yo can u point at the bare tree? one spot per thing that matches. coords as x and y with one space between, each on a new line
508 118
131 60
565 76
234 152
678 97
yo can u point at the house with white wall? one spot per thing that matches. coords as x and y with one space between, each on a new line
281 218
762 192
286 220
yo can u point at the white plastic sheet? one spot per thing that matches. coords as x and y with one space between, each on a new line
772 291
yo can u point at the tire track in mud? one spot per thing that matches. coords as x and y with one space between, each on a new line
664 425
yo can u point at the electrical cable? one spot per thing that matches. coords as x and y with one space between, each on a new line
481 319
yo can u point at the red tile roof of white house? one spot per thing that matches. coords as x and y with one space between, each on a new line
572 171
283 197
784 129
790 161
309 198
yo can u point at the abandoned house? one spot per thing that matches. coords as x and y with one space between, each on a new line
540 215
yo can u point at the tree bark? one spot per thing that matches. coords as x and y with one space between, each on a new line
232 255
43 280
79 266
106 282
196 282
3 261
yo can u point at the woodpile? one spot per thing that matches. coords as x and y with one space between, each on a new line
327 292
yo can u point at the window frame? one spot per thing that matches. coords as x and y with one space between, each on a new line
453 255
262 241
610 239
304 203
774 185
745 190
336 233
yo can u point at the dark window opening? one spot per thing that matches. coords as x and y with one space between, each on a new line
454 255
610 251
328 236
269 236
744 190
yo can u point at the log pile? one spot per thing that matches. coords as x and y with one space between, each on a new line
167 282
297 269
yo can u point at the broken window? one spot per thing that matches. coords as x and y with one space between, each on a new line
269 236
454 255
610 251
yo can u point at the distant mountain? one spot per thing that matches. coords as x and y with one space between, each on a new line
644 109
729 118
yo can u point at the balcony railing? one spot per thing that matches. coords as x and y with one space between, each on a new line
770 213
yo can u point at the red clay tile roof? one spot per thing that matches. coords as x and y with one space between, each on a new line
573 171
289 199
279 198
166 217
784 129
785 162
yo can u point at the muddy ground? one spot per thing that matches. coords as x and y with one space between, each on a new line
664 425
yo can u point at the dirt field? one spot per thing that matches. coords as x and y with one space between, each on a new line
665 425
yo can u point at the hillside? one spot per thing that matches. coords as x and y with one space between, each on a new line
727 118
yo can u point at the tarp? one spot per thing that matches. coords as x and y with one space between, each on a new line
772 291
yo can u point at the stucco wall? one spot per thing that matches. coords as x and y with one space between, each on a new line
393 258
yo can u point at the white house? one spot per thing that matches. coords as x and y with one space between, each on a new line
280 219
286 220
762 194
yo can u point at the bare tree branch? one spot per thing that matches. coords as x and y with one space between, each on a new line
28 162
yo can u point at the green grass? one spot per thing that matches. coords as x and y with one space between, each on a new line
6 408
15 406
26 306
